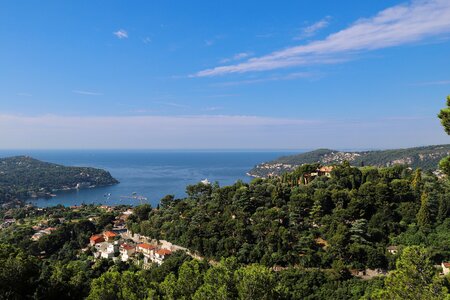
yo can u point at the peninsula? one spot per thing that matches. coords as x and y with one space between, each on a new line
23 177
426 158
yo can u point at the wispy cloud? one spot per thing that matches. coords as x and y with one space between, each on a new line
438 82
394 26
311 30
223 95
237 57
146 40
291 76
121 34
142 111
213 108
211 41
173 104
264 35
213 131
88 93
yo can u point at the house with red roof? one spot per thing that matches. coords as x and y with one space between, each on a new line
160 255
109 236
146 248
95 239
126 251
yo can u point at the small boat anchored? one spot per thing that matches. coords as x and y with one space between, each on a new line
205 181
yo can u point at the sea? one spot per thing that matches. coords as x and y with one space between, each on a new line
146 176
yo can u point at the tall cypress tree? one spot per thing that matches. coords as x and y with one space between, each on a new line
423 216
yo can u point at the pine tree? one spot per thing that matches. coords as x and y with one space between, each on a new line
423 216
414 278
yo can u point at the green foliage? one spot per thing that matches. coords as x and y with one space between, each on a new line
414 278
23 176
444 165
423 216
313 234
426 158
444 115
113 285
255 282
278 221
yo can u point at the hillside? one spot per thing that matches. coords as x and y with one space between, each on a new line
23 177
426 158
350 236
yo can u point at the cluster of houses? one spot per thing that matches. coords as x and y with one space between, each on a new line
40 231
113 245
7 222
322 171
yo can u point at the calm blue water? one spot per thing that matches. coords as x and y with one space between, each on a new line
152 174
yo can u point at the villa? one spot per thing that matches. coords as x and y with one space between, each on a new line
160 255
109 236
126 251
95 239
392 249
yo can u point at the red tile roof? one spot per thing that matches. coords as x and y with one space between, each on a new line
146 246
110 234
126 246
164 252
326 169
446 264
97 238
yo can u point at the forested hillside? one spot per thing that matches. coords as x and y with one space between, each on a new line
351 217
23 177
426 158
273 238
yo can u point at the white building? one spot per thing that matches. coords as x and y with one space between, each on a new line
126 251
445 267
160 255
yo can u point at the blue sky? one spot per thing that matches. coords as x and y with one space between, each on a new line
223 75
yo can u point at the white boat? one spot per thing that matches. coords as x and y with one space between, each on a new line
205 181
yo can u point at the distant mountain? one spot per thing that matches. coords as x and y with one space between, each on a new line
426 158
23 177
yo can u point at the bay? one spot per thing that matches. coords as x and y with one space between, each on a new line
150 174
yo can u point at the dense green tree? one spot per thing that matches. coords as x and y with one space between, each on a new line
142 211
414 278
444 115
255 282
423 216
113 285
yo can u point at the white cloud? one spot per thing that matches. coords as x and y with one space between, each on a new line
213 108
394 26
236 57
121 34
311 30
146 40
214 132
88 93
209 43
290 76
173 104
